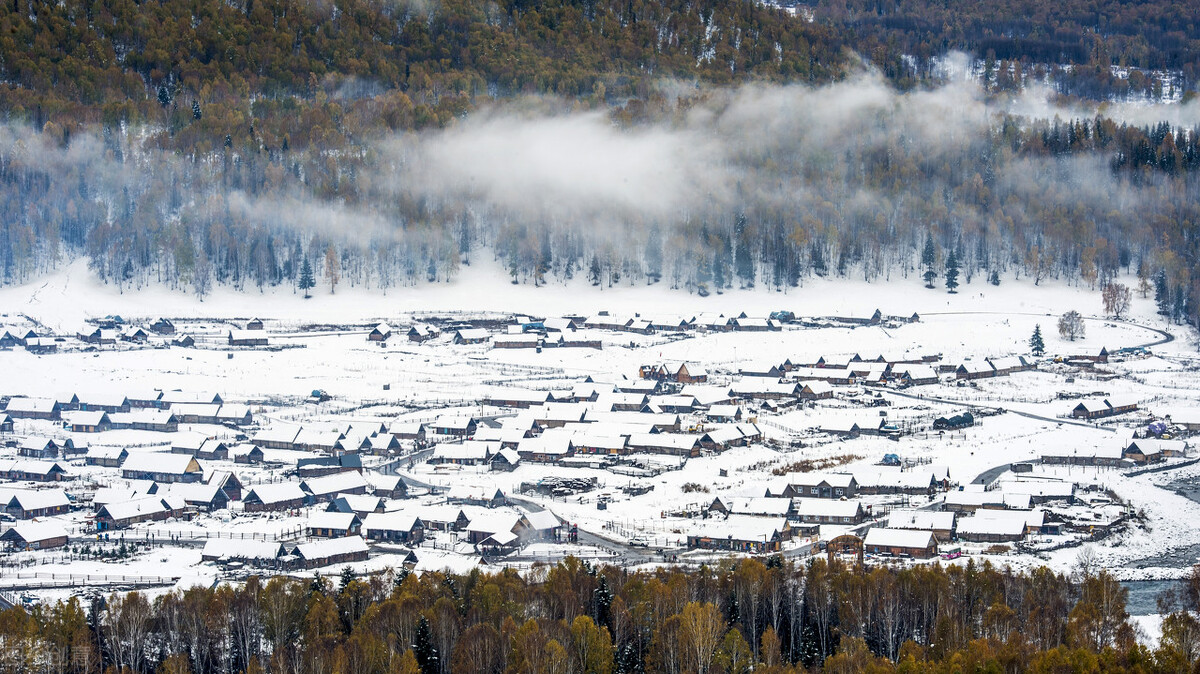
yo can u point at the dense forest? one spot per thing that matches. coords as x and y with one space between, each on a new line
705 145
1073 42
737 617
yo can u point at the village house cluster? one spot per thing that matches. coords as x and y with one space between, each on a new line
596 462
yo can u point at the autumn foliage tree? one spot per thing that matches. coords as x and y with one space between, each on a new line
1117 298
973 617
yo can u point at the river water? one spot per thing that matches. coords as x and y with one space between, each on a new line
1143 595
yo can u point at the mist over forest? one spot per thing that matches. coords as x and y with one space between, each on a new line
747 149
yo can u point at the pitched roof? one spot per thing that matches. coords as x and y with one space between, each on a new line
161 462
398 520
276 493
332 484
332 547
33 532
242 549
324 519
36 499
899 538
921 519
128 509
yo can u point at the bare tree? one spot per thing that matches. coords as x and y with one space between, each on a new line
126 626
1070 325
1117 298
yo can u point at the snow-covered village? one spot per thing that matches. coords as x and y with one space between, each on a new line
155 452
601 337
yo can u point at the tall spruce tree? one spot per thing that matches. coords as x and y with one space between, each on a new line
928 257
743 261
307 280
423 648
1036 344
952 272
1162 293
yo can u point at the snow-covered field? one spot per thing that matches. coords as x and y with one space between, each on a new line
321 343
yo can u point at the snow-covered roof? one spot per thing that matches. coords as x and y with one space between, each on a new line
676 441
160 462
129 509
496 521
818 387
453 422
31 405
381 481
398 520
990 526
898 538
360 502
1043 488
141 415
917 371
32 532
331 484
543 520
332 547
468 450
921 519
276 493
242 549
1092 405
104 452
331 520
35 499
471 333
826 507
558 444
32 466
741 527
757 505
277 434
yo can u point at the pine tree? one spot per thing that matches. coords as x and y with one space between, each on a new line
721 257
423 648
952 272
602 598
994 278
347 576
307 281
1036 344
928 257
401 575
654 255
164 96
1162 294
196 114
594 271
743 261
817 253
630 660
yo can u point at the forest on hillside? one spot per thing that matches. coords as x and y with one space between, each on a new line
574 618
705 145
1074 43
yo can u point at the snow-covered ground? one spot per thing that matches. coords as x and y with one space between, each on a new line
326 348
